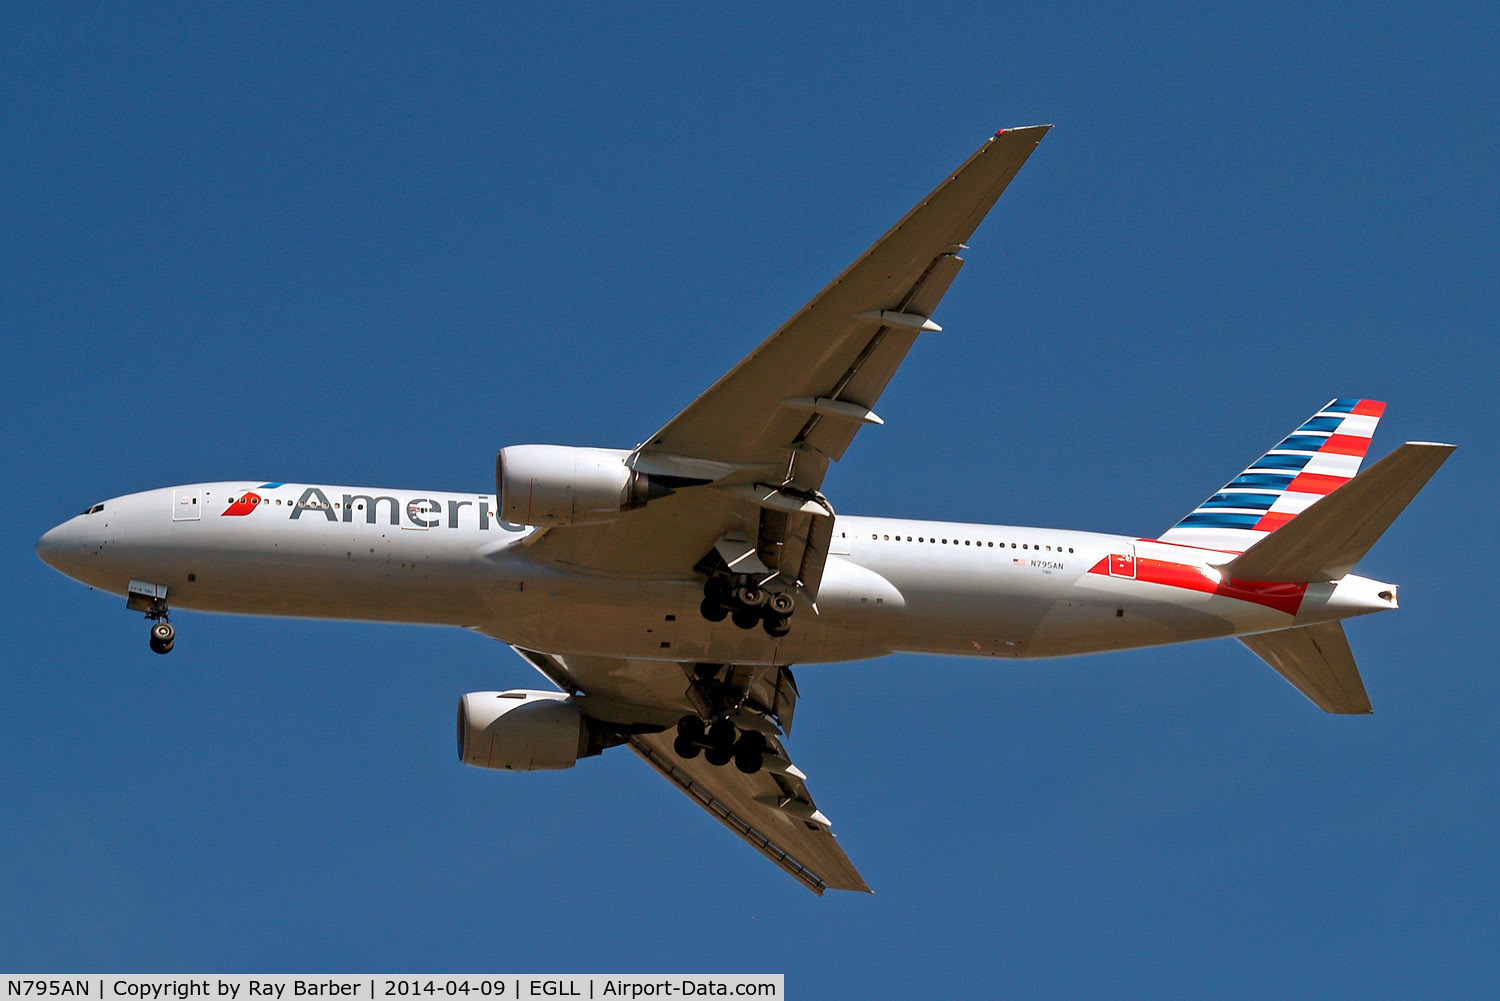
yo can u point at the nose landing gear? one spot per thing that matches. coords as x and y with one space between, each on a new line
144 596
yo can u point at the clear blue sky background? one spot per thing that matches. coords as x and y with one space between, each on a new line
373 243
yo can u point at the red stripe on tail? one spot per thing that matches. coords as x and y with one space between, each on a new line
1346 444
1280 596
1315 483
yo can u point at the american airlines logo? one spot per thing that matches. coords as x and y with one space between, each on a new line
242 505
419 512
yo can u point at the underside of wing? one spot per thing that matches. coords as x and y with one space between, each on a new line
797 400
771 808
747 458
667 537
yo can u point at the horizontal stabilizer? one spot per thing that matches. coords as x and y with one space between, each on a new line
1325 541
1318 661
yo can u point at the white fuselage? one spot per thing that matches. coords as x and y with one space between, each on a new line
890 584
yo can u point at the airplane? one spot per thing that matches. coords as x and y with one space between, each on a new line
666 591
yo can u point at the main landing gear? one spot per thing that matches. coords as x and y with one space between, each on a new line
719 743
747 602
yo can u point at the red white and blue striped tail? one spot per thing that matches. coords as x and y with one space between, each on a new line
1313 461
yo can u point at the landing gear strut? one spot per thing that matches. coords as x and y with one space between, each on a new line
748 603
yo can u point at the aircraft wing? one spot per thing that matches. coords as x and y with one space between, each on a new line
771 810
748 456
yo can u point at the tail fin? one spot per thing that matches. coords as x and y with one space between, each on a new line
1318 661
1321 455
1336 531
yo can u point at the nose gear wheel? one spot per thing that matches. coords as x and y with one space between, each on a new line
162 637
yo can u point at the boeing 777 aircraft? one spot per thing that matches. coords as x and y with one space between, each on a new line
667 590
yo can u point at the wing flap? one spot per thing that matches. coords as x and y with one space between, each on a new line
861 384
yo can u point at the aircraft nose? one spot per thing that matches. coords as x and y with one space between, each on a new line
60 547
49 545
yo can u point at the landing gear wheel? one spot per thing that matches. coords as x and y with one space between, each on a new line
751 742
713 611
691 728
777 626
749 763
718 589
721 737
750 752
717 756
782 603
750 596
162 637
720 743
685 748
746 618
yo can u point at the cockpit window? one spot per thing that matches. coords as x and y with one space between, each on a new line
93 510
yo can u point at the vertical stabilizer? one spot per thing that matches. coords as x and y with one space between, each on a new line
1317 458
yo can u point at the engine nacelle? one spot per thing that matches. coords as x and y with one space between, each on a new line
562 485
521 731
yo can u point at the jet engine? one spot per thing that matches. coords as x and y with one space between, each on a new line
522 731
562 485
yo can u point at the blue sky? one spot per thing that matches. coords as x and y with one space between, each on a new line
375 243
